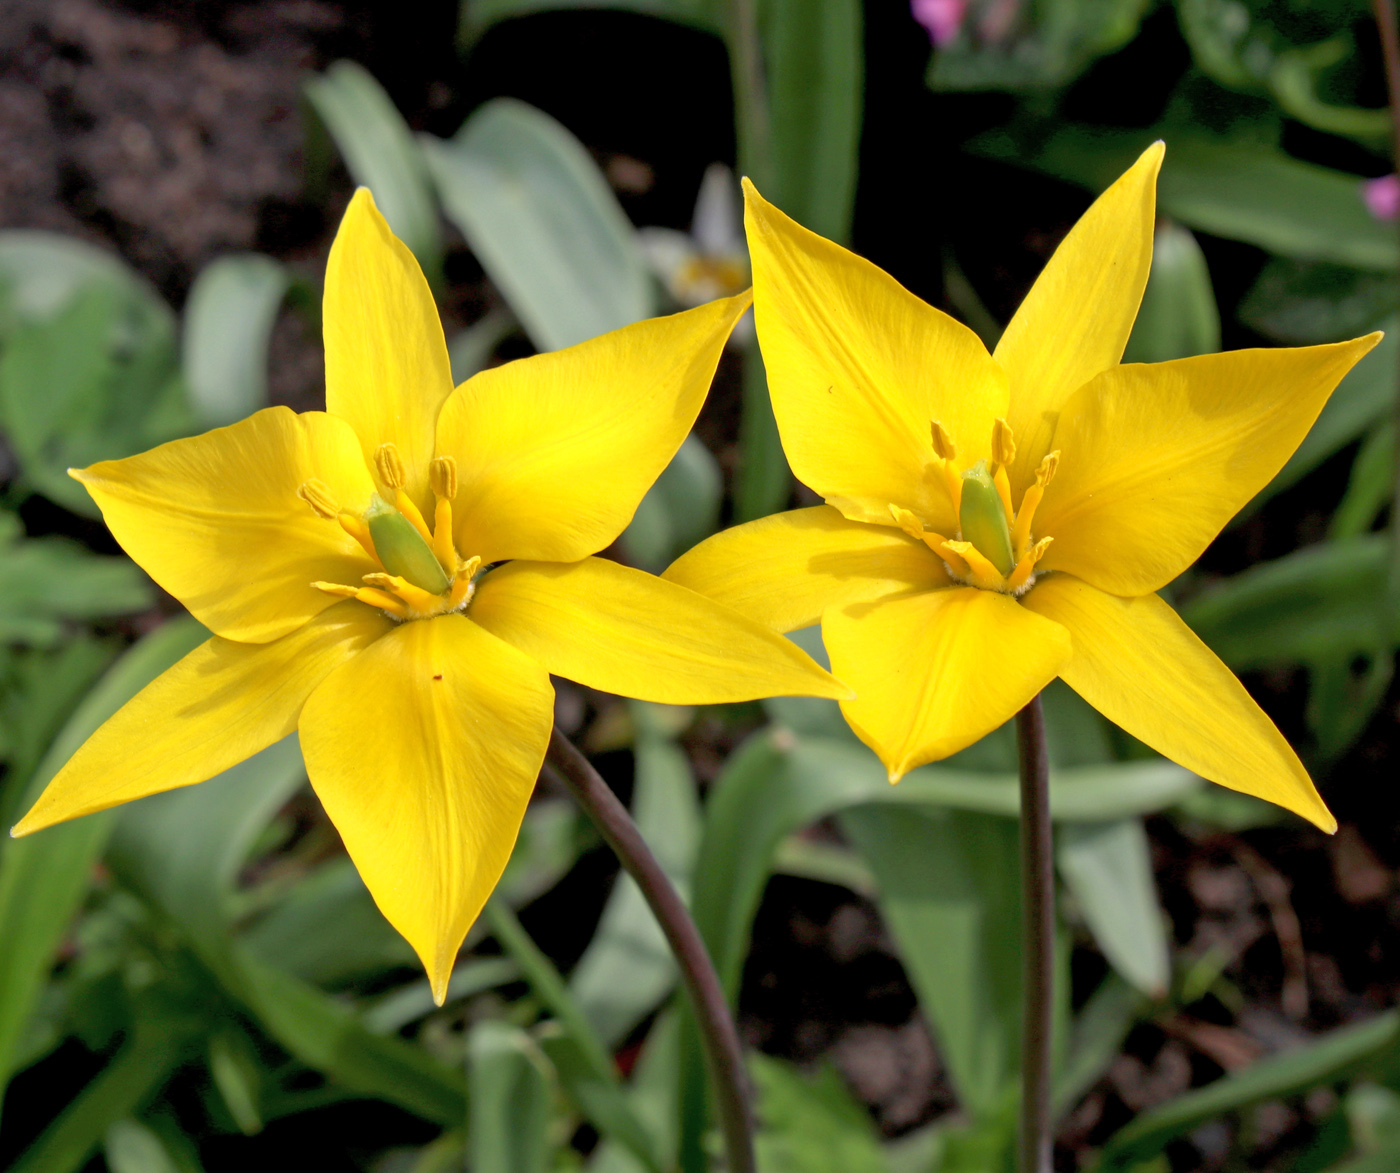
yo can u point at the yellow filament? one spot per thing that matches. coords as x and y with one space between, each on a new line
906 521
368 595
442 535
412 513
1003 443
389 465
942 442
981 571
318 495
420 602
1021 531
954 479
956 562
1026 566
1003 485
357 529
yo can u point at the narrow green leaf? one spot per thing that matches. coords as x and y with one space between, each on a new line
44 581
481 15
1096 1039
1178 317
811 1125
511 1095
542 220
130 1147
228 325
679 510
763 482
44 876
1108 869
380 152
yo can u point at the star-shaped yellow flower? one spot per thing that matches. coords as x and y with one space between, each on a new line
396 578
995 521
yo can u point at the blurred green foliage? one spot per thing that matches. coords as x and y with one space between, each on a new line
220 969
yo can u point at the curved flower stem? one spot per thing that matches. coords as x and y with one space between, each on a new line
723 1055
1037 939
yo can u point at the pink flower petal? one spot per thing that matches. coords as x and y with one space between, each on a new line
1382 196
942 18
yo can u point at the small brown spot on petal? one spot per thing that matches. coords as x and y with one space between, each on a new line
438 676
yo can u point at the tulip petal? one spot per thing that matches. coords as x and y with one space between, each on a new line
934 672
858 368
627 632
424 750
387 369
1076 319
786 569
215 519
555 452
1137 663
1154 460
219 705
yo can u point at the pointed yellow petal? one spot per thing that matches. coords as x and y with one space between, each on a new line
424 750
936 671
785 570
1077 317
216 519
1154 460
387 370
220 704
629 633
859 368
555 452
1137 663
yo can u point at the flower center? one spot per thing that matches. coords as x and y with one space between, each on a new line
422 573
994 549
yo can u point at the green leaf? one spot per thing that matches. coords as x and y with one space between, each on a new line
46 581
511 1094
811 1125
1326 1060
1310 607
44 876
398 1008
380 152
950 894
1178 317
228 325
1054 45
470 350
1108 868
1238 190
130 1147
1304 303
627 969
543 222
481 15
98 380
234 1070
181 851
41 272
813 52
134 1075
1097 1039
763 481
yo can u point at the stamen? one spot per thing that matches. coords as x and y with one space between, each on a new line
942 442
395 607
1021 531
318 495
405 505
956 562
1003 442
442 476
462 586
1003 485
1022 576
359 530
906 521
419 601
982 573
1045 473
389 465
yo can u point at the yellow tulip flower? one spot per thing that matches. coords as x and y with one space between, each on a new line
995 521
396 578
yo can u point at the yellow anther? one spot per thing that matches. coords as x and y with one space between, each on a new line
999 479
404 504
1025 568
1045 473
317 494
906 521
442 476
357 529
981 571
942 442
419 601
1003 442
389 465
367 595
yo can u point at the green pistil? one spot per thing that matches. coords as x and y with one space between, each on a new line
983 519
401 548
